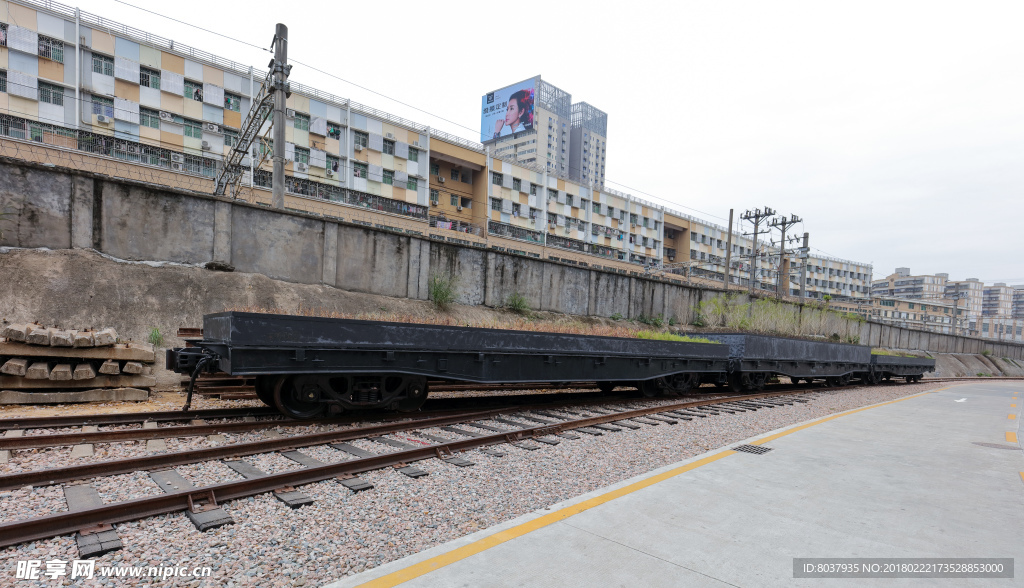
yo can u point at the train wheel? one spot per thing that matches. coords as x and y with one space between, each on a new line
416 392
832 381
649 388
735 383
299 397
758 381
265 389
844 380
909 379
606 387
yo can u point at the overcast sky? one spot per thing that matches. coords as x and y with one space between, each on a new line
894 129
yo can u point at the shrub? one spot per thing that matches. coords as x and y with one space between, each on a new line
516 302
986 352
659 336
654 321
616 317
442 290
155 337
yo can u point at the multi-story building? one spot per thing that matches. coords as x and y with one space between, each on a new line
1018 301
997 301
928 315
968 294
535 122
79 89
587 144
1001 328
903 285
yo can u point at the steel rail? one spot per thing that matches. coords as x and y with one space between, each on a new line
132 417
53 525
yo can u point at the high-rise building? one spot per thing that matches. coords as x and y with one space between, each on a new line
535 122
1018 301
997 300
587 141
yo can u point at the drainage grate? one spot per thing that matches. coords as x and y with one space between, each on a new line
996 445
755 449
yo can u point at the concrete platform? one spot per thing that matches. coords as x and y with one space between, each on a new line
938 475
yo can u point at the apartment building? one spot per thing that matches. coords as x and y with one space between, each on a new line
927 315
968 293
126 100
903 285
997 301
1018 301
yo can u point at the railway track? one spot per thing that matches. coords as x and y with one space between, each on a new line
258 419
527 427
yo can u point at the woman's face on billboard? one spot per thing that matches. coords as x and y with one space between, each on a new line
512 113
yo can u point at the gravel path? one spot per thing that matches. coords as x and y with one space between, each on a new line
344 533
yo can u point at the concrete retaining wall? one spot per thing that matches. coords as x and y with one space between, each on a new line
60 209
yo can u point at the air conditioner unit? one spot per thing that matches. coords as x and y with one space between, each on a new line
206 145
102 119
390 136
301 167
459 208
177 157
164 115
176 166
415 143
330 172
440 179
358 147
290 113
212 127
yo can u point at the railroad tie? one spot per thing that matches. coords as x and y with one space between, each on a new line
84 449
454 460
290 496
627 424
406 469
203 517
349 481
485 450
94 541
656 417
518 444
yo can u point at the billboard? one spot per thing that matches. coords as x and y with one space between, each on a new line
507 111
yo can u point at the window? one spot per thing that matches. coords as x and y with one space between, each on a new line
232 102
496 178
301 122
389 147
517 184
552 194
611 211
51 49
360 138
466 177
910 307
414 154
435 170
194 91
151 118
333 130
496 204
193 129
333 163
516 209
455 174
633 218
389 177
360 170
149 78
434 196
3 41
597 207
301 155
230 138
102 64
51 94
455 200
411 184
103 106
533 189
3 81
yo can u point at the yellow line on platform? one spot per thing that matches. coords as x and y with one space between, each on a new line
1012 416
1011 437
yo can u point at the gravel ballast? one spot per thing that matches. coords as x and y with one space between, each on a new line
343 532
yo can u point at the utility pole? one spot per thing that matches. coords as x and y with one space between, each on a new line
280 69
803 255
728 253
755 216
782 223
